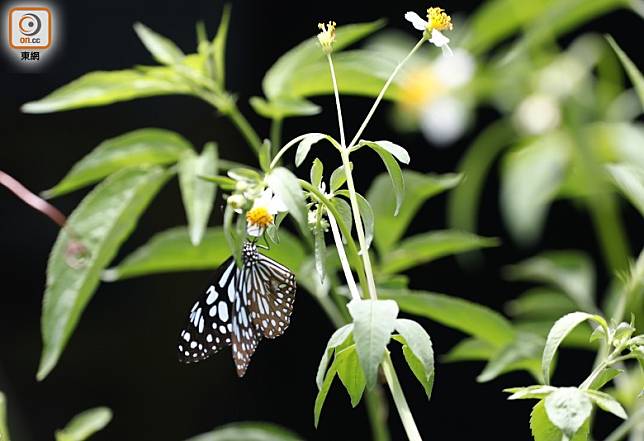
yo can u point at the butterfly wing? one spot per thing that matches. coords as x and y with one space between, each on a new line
245 337
272 290
210 324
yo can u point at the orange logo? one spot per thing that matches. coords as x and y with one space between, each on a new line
30 28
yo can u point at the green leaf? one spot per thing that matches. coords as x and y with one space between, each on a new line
344 209
426 247
4 430
395 150
289 65
525 349
337 338
248 431
631 69
320 246
280 108
120 200
139 147
366 213
418 352
265 156
579 338
471 318
530 179
317 169
323 392
569 271
418 188
287 187
171 251
198 195
470 349
604 377
106 87
539 392
304 147
630 181
540 303
568 408
338 178
162 49
607 403
395 173
558 333
544 430
351 374
219 46
373 323
85 424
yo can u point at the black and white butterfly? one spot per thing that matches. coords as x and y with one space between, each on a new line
239 308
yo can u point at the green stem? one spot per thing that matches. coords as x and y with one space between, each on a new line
346 268
377 412
338 107
635 419
382 92
399 399
276 133
245 128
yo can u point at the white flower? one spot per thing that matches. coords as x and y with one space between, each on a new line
263 212
455 71
538 114
437 21
444 120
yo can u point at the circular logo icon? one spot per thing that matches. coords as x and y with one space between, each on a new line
29 24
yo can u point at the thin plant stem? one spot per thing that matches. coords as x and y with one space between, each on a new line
245 128
336 93
377 412
623 429
32 200
346 268
399 399
382 92
276 133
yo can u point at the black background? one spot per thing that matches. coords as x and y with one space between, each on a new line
123 352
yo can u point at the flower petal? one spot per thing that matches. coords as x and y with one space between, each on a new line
415 20
438 39
276 205
254 230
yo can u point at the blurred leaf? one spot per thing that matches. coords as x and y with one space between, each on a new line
106 87
607 403
171 251
120 200
426 247
470 349
418 188
265 156
219 46
568 409
395 173
471 318
198 195
289 66
85 424
538 392
304 147
526 348
537 303
248 431
418 352
558 333
280 108
139 147
351 374
579 338
604 377
162 49
631 69
530 179
287 188
544 430
630 180
569 271
323 392
337 338
373 323
4 430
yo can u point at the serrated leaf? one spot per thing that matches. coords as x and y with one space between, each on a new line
395 173
418 188
539 392
280 108
85 424
471 318
418 352
558 333
120 200
323 392
248 431
373 323
544 430
426 247
351 374
337 338
162 48
317 169
4 430
304 147
287 188
526 348
198 195
607 403
140 147
568 408
629 179
106 87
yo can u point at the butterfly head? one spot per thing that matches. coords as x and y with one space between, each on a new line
249 252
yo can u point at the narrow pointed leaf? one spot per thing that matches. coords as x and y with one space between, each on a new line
337 338
418 344
630 181
525 349
280 108
631 69
304 147
162 48
323 392
351 374
607 403
4 430
85 424
219 46
395 173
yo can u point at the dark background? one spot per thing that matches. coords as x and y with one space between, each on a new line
123 352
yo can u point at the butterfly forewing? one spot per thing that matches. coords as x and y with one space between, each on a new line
209 327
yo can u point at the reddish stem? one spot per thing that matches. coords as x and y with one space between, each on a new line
31 199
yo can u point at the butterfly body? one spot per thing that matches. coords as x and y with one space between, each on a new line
241 306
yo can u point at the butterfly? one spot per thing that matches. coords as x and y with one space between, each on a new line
240 307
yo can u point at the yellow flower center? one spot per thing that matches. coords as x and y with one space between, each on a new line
259 216
438 19
327 36
419 87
